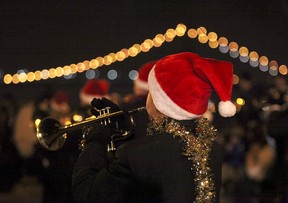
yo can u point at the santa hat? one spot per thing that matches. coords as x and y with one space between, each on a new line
141 83
95 88
60 102
181 85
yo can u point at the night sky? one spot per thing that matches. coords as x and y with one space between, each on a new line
38 35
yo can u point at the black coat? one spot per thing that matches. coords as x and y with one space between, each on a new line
149 169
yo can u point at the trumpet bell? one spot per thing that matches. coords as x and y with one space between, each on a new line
49 134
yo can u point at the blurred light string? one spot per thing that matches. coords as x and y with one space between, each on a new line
222 43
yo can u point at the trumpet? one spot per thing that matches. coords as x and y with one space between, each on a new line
52 135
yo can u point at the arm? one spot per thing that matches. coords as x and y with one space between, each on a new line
90 162
95 176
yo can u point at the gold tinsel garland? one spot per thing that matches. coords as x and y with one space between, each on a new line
197 148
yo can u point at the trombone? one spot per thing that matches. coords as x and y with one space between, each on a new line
52 135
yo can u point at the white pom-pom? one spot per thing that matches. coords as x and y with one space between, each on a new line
226 109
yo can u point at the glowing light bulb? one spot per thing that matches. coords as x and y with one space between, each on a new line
66 70
233 46
81 67
44 74
201 30
7 79
94 64
202 38
283 70
212 36
253 56
192 33
73 68
223 41
243 51
38 75
263 61
31 76
240 101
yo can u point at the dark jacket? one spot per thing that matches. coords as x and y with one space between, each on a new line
149 169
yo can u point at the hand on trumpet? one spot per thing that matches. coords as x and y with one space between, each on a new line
120 127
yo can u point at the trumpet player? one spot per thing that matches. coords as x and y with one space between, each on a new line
179 159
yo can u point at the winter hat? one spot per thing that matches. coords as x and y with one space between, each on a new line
181 85
60 102
95 88
141 83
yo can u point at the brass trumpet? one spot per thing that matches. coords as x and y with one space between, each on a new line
52 135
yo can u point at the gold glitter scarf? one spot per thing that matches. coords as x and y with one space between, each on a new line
197 148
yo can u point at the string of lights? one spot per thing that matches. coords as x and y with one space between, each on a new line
222 43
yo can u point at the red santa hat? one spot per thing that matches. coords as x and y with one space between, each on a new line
60 102
181 85
141 83
95 88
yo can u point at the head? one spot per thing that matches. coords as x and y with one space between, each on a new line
180 86
245 82
60 103
152 110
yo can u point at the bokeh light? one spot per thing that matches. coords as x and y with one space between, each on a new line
133 74
223 49
68 72
283 70
112 74
90 74
244 59
234 54
240 101
235 79
192 33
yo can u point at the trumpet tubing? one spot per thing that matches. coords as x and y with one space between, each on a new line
52 135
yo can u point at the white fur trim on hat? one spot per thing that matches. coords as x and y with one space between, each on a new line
226 108
164 104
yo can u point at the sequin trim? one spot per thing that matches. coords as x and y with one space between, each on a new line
197 148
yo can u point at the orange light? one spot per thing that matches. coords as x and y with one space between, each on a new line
233 46
243 51
202 38
94 64
201 30
223 41
253 56
263 61
212 36
283 70
7 79
192 33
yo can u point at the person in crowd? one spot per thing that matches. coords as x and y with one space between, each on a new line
277 120
55 167
253 95
234 144
24 130
178 160
277 93
94 88
140 86
258 182
10 161
51 169
259 165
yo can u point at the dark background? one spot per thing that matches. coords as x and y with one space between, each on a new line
38 35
